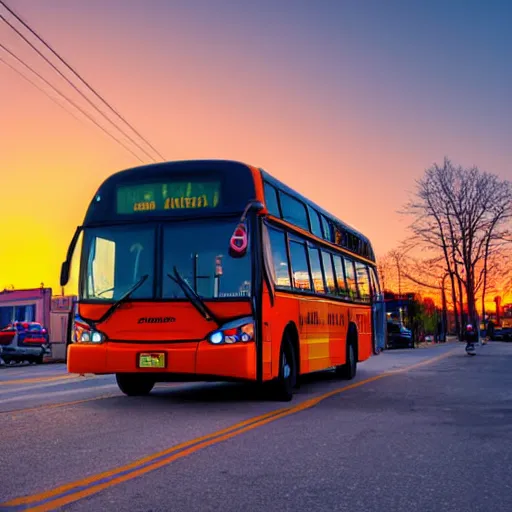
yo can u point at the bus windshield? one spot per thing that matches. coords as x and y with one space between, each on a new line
117 257
199 251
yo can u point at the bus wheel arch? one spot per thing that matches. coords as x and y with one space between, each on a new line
348 370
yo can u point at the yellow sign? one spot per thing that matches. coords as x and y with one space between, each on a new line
186 202
144 206
156 360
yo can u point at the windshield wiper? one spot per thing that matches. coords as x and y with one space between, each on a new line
193 297
125 296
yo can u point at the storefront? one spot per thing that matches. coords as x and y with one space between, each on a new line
38 305
25 306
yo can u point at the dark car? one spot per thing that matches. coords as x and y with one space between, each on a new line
399 336
24 341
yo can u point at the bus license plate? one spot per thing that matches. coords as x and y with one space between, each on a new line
152 360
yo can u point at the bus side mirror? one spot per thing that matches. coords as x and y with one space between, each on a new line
239 239
64 273
66 265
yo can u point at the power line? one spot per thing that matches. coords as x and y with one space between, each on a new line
25 24
78 107
74 86
37 86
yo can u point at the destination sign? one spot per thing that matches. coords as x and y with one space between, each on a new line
167 197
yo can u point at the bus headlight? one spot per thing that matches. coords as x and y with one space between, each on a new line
84 334
240 330
92 337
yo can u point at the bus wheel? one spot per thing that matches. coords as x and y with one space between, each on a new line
287 380
348 370
134 384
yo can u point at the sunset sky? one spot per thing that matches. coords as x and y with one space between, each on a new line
346 101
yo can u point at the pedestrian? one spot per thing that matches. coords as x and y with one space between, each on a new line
470 338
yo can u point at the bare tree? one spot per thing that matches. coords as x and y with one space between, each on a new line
463 215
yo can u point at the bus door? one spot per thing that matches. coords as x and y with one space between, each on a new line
379 326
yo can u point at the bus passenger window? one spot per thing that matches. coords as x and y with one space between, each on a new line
340 276
271 200
279 258
351 278
328 229
316 270
316 226
363 282
329 272
300 269
294 211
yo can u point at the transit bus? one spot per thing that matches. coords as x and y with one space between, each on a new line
215 270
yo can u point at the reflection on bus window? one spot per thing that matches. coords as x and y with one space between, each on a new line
350 277
328 272
300 269
198 250
117 257
340 276
279 258
316 270
363 282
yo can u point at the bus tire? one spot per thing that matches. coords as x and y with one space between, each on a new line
348 370
134 384
287 380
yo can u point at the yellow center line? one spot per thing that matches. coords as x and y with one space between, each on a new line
93 484
35 380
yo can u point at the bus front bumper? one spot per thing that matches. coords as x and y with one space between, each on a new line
236 361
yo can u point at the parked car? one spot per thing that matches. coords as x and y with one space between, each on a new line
24 341
399 336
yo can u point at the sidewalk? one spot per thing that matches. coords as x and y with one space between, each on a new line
427 344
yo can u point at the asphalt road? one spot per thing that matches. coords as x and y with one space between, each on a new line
426 430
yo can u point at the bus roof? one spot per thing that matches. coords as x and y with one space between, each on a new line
133 187
235 181
334 220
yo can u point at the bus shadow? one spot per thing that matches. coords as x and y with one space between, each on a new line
217 392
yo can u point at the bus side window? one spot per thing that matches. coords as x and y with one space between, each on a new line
316 226
316 270
279 258
374 282
329 273
271 200
363 281
300 267
294 211
340 276
351 277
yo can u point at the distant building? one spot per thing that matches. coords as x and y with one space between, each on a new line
38 305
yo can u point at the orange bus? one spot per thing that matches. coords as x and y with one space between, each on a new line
215 270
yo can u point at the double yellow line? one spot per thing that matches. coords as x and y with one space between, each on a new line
68 493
